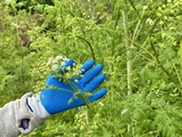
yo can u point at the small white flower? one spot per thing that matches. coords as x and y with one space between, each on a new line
82 70
124 111
100 103
14 24
54 67
66 59
63 64
59 57
149 21
55 61
49 61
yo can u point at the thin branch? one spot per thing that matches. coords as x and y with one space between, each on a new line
89 44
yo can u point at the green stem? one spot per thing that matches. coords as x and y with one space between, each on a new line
140 47
160 65
62 89
178 75
129 65
75 88
136 11
90 46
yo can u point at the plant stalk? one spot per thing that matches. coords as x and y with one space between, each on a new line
129 64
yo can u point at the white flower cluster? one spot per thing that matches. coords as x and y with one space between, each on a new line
55 63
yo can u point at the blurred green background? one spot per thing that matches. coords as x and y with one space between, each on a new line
138 42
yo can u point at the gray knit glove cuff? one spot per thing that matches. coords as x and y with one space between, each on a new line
12 114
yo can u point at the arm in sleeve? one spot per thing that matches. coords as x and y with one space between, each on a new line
12 114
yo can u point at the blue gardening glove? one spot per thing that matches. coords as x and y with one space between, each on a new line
57 99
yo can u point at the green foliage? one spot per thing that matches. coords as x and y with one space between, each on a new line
31 32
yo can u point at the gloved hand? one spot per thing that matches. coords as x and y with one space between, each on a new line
57 96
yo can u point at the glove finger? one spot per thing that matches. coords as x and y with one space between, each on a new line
86 66
67 63
97 95
51 80
95 82
91 74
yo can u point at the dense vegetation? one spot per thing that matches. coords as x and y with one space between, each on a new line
138 42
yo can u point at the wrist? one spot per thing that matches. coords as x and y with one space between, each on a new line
36 106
